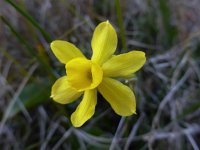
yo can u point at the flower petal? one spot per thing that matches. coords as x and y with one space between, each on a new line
124 64
120 96
86 108
62 93
104 42
65 51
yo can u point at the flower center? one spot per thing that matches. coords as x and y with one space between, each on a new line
83 74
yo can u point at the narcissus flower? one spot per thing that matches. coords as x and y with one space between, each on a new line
84 76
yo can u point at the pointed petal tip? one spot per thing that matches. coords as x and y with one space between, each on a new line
104 42
85 109
134 112
124 65
143 54
75 124
53 43
119 96
139 51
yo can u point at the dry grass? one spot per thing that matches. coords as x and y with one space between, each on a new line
167 88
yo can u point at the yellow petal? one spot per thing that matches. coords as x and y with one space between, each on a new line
83 74
85 109
104 42
124 64
65 51
120 96
62 93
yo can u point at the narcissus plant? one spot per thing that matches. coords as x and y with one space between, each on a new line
87 76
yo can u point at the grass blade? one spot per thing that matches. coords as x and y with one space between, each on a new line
30 49
120 23
30 18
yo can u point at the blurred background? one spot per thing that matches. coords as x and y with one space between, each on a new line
167 88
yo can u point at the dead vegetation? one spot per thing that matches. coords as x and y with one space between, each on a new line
167 88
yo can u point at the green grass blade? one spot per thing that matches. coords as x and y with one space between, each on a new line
171 31
121 26
39 96
189 110
30 49
30 18
11 58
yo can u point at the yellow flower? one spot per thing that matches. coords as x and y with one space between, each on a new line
86 76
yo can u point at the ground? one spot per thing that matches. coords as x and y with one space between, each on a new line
167 88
